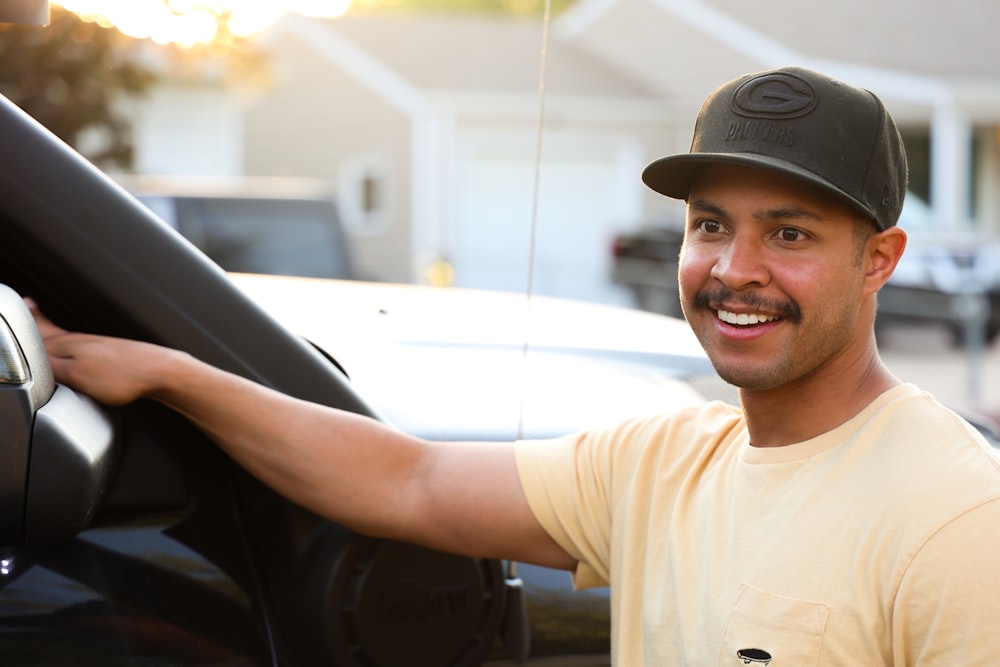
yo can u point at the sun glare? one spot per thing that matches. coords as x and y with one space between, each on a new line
189 22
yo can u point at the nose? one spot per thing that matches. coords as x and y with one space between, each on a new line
741 263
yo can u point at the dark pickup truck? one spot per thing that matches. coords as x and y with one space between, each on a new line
274 226
645 260
951 277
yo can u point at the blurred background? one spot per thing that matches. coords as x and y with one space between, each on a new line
498 143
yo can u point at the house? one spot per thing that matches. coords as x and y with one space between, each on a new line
429 126
459 147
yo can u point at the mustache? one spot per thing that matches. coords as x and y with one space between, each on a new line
712 299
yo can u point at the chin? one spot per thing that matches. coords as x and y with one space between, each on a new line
749 379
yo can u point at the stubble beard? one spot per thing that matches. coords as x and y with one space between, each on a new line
793 359
751 377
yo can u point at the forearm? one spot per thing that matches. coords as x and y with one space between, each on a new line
460 497
347 467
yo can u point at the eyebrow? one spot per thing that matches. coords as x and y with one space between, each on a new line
780 213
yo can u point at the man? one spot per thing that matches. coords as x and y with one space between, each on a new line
839 518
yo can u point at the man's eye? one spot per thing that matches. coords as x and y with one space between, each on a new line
790 234
710 226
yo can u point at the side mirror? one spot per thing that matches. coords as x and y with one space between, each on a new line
56 445
32 12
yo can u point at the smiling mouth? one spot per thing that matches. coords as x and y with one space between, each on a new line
758 309
745 319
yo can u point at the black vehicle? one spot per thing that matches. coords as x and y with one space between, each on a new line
646 260
128 537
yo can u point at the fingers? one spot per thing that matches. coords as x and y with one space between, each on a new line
93 365
45 326
109 370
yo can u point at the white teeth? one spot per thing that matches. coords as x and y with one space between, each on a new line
744 318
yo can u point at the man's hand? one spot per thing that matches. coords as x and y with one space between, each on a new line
113 371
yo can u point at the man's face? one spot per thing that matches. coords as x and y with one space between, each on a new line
770 277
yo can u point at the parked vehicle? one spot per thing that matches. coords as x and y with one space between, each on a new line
451 363
646 261
281 226
128 538
946 276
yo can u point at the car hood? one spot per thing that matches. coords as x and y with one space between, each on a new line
461 364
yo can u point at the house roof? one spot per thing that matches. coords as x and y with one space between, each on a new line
914 53
947 39
472 52
911 52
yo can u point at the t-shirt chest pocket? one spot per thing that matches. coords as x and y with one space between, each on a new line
769 629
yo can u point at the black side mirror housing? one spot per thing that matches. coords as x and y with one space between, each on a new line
57 446
31 12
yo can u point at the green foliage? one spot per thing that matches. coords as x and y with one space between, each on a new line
73 75
68 76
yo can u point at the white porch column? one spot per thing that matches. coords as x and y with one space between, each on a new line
951 161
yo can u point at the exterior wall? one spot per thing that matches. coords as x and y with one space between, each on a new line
658 141
680 53
188 129
317 122
589 189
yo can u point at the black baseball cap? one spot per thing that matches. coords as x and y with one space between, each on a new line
799 122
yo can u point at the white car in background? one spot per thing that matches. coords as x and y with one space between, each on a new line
458 364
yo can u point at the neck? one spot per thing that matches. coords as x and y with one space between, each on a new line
813 405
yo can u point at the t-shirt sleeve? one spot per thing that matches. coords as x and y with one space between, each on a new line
569 499
947 610
580 487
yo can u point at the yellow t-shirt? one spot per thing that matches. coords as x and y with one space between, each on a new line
877 543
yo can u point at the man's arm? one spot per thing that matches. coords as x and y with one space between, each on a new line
464 498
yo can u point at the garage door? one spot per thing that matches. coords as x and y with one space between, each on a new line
589 188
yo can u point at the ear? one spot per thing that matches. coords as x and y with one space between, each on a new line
882 253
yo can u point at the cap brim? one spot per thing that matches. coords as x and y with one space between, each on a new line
675 175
